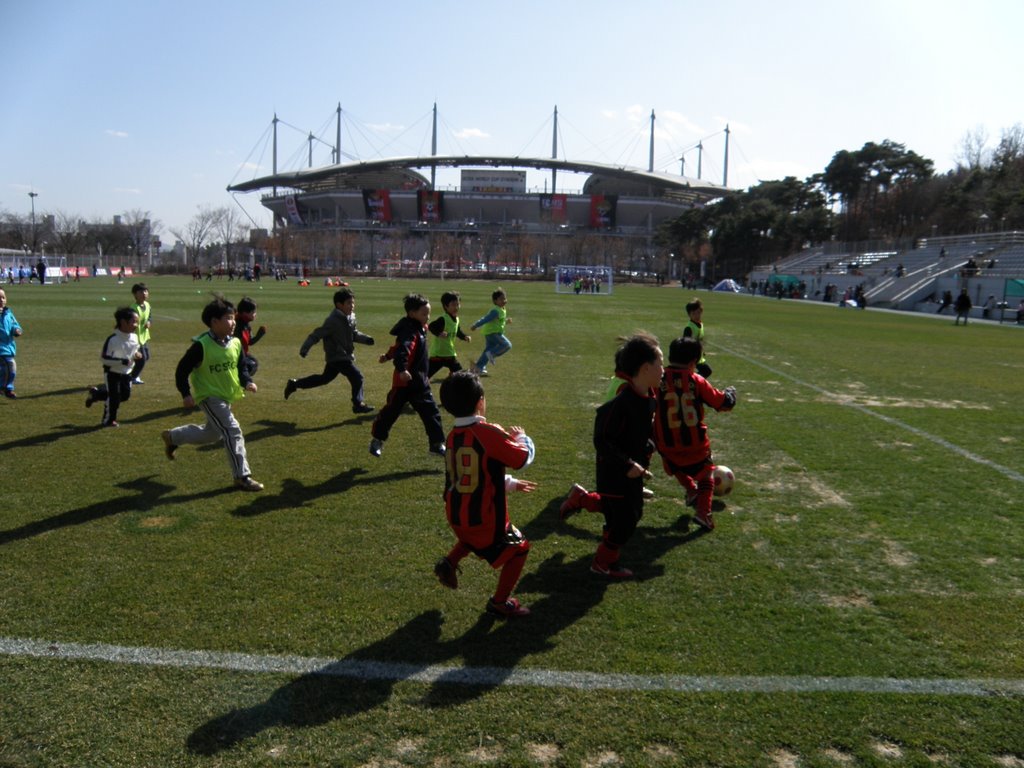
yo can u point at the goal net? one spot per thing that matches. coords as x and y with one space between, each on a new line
594 281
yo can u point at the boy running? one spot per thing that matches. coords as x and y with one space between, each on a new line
340 335
9 331
680 434
143 309
121 352
409 382
445 330
212 367
493 326
476 489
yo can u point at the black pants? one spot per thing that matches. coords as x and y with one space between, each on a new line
422 401
117 389
346 368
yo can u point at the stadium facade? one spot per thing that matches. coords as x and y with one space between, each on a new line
391 210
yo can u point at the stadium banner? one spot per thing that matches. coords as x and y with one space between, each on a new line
554 208
377 203
493 182
1013 288
293 209
602 211
430 205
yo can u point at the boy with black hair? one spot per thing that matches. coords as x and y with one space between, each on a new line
140 292
476 488
212 367
445 330
622 437
409 382
121 352
244 318
339 335
680 434
694 329
493 326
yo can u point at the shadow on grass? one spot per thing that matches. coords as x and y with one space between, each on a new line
280 429
489 651
54 393
330 692
148 494
295 493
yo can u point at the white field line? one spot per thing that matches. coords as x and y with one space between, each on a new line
962 452
493 676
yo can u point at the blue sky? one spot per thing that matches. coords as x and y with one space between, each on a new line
111 106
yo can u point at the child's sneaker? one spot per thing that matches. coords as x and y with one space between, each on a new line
248 484
613 571
169 447
691 498
438 449
447 573
573 502
376 447
289 388
647 493
91 398
357 407
507 610
704 521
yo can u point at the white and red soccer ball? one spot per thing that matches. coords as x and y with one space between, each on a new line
724 480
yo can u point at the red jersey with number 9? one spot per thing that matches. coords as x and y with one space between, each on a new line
680 434
474 496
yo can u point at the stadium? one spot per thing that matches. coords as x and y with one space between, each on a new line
391 213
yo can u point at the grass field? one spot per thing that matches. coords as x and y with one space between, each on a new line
861 601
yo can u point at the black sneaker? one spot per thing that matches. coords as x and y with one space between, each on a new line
91 398
359 407
438 449
289 388
376 447
510 609
447 573
613 571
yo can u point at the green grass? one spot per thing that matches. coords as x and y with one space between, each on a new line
867 537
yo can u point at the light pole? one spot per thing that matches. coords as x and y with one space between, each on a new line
32 197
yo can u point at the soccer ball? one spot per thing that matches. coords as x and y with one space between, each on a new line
724 480
525 440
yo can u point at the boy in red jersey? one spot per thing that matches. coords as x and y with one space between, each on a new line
680 434
476 489
622 437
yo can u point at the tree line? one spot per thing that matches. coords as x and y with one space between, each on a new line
882 194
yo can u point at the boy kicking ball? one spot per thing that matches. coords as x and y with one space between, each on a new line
476 488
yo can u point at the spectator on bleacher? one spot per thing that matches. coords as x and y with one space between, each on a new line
962 307
1020 313
900 270
988 306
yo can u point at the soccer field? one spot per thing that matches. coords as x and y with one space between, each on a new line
859 603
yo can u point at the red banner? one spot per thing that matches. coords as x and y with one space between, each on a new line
378 204
431 206
554 208
602 211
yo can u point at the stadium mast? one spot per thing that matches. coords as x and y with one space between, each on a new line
725 165
275 154
433 149
554 151
337 137
650 161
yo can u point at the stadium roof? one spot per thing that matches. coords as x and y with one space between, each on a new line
399 172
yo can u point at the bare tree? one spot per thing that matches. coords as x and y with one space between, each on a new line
972 152
140 230
230 229
66 228
197 232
